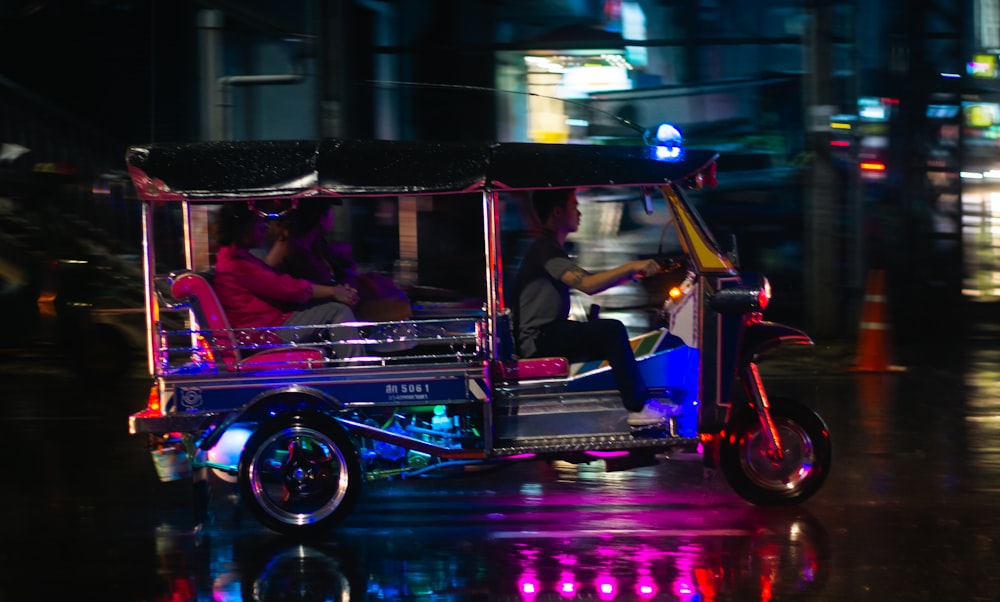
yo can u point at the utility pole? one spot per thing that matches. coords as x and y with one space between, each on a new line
822 304
937 40
332 68
210 27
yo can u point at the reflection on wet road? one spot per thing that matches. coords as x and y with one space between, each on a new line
531 532
982 384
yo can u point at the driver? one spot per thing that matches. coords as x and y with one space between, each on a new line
542 304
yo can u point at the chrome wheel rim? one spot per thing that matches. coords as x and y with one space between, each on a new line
298 475
787 473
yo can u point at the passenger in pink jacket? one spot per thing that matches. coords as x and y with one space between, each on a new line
254 295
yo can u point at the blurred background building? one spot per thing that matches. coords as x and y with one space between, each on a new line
854 135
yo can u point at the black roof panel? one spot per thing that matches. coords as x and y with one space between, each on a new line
278 169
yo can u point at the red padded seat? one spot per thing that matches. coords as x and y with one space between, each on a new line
228 345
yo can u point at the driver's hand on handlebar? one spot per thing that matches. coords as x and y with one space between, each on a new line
671 261
645 267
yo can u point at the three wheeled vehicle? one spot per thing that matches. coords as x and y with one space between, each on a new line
300 430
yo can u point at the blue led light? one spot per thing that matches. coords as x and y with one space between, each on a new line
668 134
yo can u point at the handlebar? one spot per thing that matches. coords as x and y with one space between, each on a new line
670 262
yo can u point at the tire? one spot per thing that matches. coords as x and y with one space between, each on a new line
300 474
760 480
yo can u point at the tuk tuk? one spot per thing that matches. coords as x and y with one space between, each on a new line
300 429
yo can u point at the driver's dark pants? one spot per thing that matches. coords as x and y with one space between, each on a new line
601 339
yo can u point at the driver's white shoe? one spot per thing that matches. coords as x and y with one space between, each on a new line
656 411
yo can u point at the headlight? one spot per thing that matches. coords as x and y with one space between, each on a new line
675 297
677 292
742 299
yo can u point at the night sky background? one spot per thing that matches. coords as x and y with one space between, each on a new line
111 65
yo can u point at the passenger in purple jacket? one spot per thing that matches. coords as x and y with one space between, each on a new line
301 249
254 295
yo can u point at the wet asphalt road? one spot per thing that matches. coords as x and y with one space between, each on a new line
908 513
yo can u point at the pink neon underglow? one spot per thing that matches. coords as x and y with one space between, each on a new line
645 588
567 584
606 454
567 589
520 456
606 588
529 588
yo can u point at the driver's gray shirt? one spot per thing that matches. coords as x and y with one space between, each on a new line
540 295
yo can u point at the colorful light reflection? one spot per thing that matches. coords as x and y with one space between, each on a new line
645 588
606 588
529 587
567 588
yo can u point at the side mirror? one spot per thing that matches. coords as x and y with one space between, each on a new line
734 254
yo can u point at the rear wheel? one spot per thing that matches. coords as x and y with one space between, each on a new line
759 475
300 474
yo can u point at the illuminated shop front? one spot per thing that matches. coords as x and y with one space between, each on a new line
554 87
980 177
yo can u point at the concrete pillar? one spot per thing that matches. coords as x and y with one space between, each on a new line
210 23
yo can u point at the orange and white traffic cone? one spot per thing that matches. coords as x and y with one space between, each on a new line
875 335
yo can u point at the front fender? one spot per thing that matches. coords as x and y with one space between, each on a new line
762 336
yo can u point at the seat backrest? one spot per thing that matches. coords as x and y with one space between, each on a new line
210 317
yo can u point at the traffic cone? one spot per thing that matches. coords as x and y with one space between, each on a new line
875 335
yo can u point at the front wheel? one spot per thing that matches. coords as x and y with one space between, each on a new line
300 474
760 476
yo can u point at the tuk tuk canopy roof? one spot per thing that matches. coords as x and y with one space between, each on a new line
282 169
